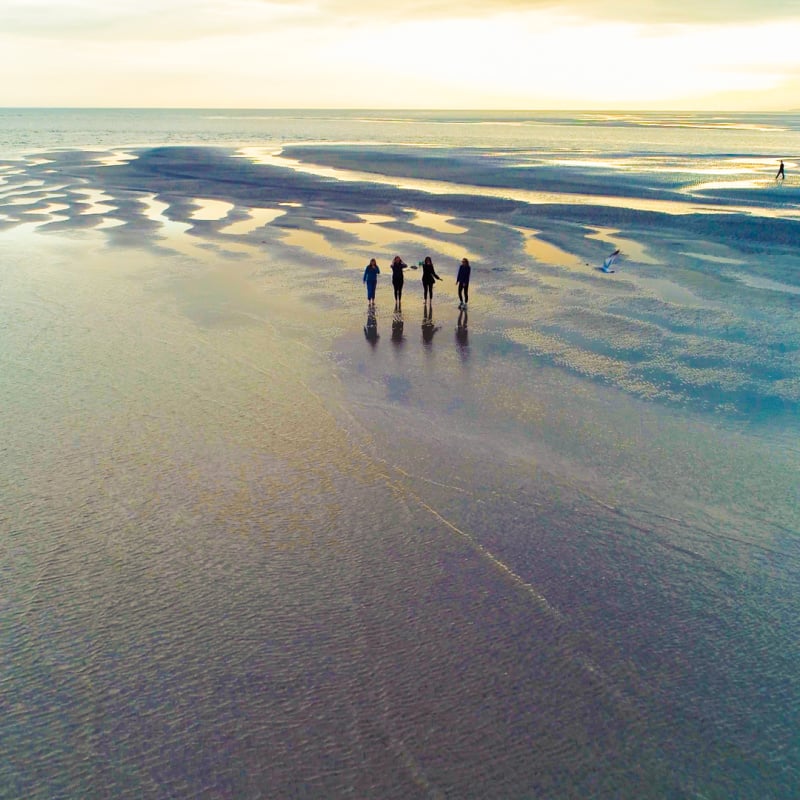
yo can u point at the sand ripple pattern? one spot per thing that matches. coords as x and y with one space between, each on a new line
238 561
673 326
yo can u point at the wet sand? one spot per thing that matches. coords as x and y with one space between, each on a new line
259 551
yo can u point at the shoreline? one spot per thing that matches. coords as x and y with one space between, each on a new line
536 266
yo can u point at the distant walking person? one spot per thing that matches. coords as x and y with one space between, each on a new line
371 279
462 279
397 279
781 173
428 277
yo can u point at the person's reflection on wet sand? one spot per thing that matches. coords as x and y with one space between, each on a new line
371 328
397 329
462 335
428 326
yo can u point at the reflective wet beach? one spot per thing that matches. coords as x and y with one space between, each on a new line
254 550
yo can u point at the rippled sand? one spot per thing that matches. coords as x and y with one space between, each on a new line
257 544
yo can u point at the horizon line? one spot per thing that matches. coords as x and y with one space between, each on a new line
593 109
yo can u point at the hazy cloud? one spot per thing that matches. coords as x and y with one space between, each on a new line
633 11
510 53
186 19
145 19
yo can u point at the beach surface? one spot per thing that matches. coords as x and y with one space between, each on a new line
263 542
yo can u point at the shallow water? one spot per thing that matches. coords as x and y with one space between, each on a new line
231 574
257 543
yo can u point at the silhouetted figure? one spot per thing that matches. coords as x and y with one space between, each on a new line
781 172
371 328
428 277
428 328
371 279
462 279
397 329
397 279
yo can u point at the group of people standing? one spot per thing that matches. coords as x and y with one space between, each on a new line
429 277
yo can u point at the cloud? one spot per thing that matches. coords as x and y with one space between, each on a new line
536 60
155 20
632 11
512 54
187 19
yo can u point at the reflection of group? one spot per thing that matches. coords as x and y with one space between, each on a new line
429 327
371 328
462 335
429 277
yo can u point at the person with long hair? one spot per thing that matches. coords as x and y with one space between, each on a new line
397 279
429 276
371 279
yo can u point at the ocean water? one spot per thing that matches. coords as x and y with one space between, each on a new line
258 541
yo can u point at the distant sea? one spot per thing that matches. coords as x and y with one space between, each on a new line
770 135
258 540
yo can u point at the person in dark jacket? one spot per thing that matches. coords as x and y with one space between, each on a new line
428 277
397 279
462 279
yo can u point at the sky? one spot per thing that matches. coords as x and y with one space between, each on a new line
492 54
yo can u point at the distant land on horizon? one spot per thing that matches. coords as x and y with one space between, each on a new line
587 110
